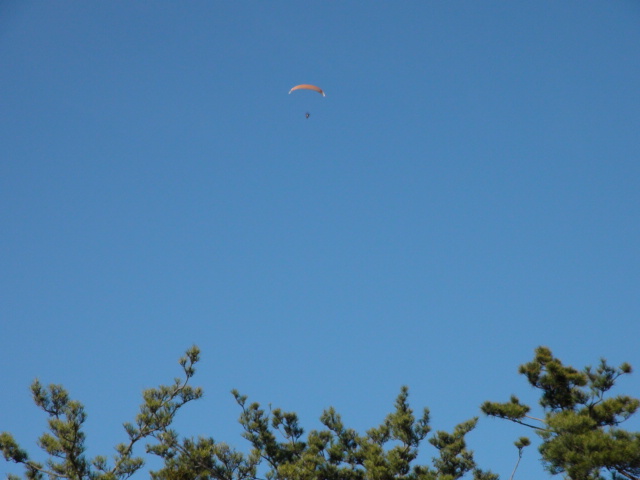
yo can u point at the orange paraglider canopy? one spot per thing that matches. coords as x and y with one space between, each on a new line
305 86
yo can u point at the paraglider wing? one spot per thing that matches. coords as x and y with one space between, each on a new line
305 86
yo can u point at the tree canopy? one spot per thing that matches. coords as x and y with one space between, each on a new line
580 436
580 431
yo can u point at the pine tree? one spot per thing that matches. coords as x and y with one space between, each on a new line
279 448
385 452
580 431
65 442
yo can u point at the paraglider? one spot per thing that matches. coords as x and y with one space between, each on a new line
306 86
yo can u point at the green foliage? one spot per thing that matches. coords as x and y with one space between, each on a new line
64 443
202 458
521 443
278 443
385 452
579 431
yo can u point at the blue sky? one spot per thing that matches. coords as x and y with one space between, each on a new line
469 189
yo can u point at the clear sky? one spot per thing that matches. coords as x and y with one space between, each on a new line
469 189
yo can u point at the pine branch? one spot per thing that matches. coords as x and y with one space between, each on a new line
628 475
517 463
